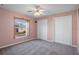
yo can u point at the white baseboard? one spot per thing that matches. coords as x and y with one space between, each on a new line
15 43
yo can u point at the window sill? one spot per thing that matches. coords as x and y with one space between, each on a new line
17 37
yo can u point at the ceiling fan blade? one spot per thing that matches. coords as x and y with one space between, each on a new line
42 10
29 11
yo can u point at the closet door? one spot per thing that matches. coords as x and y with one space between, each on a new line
42 29
63 30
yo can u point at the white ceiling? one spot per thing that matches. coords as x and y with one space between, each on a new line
49 8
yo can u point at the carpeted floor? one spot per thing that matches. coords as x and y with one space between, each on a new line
39 47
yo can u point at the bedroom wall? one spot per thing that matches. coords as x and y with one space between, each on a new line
7 27
51 35
78 29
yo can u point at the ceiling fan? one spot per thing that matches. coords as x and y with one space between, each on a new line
37 11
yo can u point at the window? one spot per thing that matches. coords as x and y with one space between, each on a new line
21 27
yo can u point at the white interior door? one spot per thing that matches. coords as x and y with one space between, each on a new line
63 30
42 29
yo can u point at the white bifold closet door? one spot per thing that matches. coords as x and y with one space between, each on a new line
42 29
63 29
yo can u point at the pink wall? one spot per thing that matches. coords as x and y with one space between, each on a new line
7 27
78 29
74 25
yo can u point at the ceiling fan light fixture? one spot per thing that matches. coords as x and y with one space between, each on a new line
37 14
37 11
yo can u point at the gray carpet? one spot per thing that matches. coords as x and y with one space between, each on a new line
39 47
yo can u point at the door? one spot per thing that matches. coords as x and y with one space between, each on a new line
42 29
63 29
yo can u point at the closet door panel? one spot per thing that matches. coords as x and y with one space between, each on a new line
42 29
63 30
